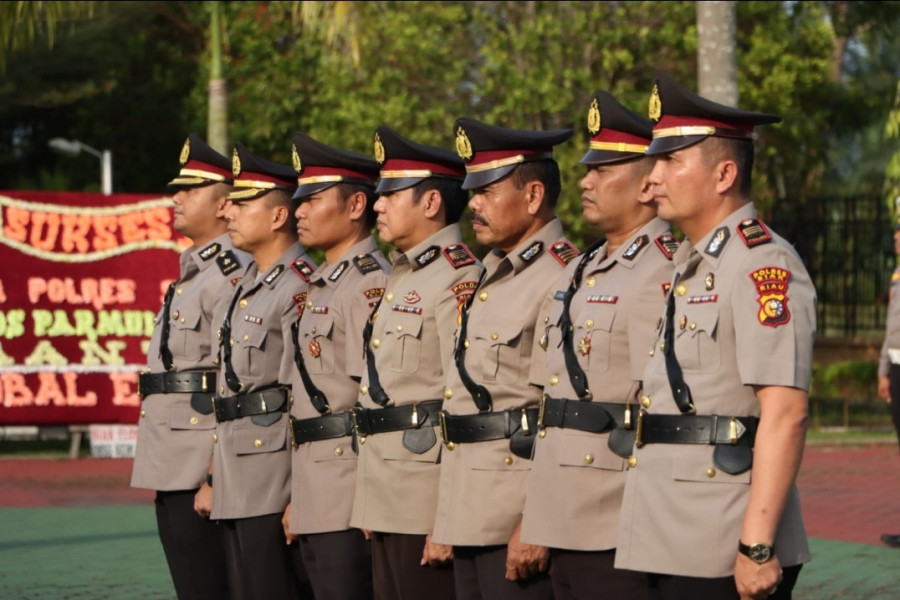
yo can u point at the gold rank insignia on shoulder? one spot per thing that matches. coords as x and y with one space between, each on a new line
532 251
210 251
235 163
593 119
635 247
667 244
273 275
564 252
655 108
463 145
303 269
228 262
338 271
459 255
379 149
185 151
715 245
295 159
365 263
753 232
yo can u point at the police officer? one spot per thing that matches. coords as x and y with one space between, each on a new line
336 191
174 432
409 343
710 508
596 332
490 420
252 462
889 362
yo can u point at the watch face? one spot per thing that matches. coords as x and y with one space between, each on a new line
760 553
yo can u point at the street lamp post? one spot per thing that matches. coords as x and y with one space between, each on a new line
74 148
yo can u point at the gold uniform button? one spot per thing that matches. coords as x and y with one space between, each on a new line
450 446
645 401
554 380
542 433
483 296
178 291
632 462
710 473
309 304
246 337
546 319
590 282
399 327
215 437
257 443
231 342
680 290
313 331
588 324
243 303
693 326
588 459
176 314
389 296
182 319
508 460
194 421
466 343
495 335
338 451
376 343
216 361
448 393
143 413
363 390
652 351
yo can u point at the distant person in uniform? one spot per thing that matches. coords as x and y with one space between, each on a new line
711 507
409 344
251 470
597 324
336 192
490 418
889 361
175 430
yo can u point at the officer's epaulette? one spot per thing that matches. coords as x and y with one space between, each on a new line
365 263
303 268
228 262
753 232
210 251
273 274
667 244
338 271
458 255
532 251
564 252
428 255
634 249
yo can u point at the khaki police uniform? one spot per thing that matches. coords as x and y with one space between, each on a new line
744 316
412 344
575 490
341 298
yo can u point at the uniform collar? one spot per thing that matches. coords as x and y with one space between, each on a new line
714 244
528 252
629 253
333 273
429 250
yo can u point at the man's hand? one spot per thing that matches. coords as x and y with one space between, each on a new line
286 525
435 555
524 560
756 581
884 388
203 500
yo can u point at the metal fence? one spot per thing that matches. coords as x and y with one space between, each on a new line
847 245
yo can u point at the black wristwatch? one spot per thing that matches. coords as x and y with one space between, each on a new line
759 553
209 479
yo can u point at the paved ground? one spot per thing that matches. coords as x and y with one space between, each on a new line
75 530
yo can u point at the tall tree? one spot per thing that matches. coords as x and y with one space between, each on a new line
717 51
217 123
21 23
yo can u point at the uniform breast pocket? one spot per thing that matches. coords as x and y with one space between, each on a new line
317 345
251 357
501 350
696 342
403 337
590 451
250 438
592 338
695 463
184 340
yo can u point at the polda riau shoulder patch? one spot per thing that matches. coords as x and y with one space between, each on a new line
459 255
753 232
563 251
303 269
228 262
365 263
772 286
667 244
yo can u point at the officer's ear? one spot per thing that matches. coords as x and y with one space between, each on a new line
432 203
356 205
726 175
534 197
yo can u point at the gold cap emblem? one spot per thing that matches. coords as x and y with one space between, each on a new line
655 111
295 158
593 121
235 163
379 149
185 151
463 145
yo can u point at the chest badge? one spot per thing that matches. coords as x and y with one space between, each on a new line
584 346
315 350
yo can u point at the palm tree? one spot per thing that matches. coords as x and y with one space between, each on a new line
21 23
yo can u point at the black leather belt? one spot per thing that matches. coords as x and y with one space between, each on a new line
396 418
695 429
326 427
173 382
593 417
246 405
481 427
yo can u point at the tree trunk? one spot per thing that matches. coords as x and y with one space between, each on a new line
717 51
217 124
